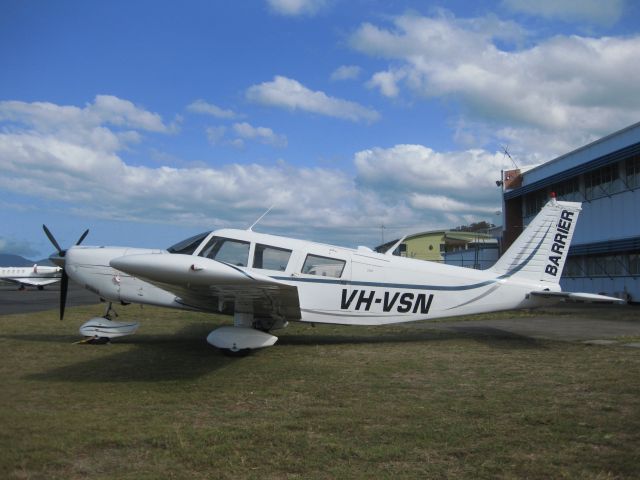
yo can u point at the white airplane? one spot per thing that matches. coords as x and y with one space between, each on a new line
266 281
36 276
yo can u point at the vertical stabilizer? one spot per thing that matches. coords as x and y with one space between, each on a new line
540 252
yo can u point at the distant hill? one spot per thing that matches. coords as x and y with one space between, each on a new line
9 260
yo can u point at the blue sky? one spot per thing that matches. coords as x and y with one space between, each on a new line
150 121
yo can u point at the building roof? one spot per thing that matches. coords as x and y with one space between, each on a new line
458 235
604 151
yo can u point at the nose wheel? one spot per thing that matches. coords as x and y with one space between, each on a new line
100 330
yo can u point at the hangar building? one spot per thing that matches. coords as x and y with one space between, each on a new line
605 176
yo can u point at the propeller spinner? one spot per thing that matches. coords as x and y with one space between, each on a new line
58 259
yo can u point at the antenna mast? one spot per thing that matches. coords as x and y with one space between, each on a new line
260 218
505 151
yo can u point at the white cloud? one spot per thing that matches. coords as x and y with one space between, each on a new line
218 135
407 185
113 110
596 11
469 174
88 125
296 7
448 205
200 106
346 72
287 93
562 84
387 82
105 109
106 186
262 134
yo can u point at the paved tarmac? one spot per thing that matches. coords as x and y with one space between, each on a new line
571 323
31 299
581 323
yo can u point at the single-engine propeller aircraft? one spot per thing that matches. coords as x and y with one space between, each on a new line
36 276
266 281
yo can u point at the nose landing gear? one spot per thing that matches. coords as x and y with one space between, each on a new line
100 330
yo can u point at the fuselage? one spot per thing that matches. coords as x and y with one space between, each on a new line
334 284
35 275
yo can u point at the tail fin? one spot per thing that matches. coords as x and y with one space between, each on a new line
539 253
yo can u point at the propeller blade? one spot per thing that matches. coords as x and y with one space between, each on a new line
52 239
82 237
64 284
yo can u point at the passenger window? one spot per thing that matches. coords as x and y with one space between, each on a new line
323 266
271 258
235 252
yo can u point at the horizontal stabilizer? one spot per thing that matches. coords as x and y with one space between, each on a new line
578 297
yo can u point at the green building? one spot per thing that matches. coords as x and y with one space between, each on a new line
447 246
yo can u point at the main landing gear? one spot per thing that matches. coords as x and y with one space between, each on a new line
100 330
246 334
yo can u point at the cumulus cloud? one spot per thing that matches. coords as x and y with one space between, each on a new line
290 94
54 169
294 8
200 106
346 72
469 174
386 82
407 185
594 11
562 84
221 135
91 125
105 109
447 205
262 134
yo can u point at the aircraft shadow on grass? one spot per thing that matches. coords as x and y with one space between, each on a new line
149 358
183 355
494 337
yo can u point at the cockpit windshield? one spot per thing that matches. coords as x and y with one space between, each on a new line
235 252
188 246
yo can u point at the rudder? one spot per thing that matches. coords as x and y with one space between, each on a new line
540 252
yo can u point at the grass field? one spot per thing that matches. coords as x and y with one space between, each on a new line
326 402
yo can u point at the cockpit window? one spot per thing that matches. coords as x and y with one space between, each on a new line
188 246
235 252
271 258
323 266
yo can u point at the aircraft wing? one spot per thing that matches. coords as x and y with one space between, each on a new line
577 297
207 284
33 281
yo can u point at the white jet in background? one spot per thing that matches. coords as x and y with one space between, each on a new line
266 281
36 276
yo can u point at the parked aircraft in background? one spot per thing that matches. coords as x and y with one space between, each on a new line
37 276
266 281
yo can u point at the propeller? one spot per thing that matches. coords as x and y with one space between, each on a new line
59 260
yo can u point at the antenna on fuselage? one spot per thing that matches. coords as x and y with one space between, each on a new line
260 218
395 245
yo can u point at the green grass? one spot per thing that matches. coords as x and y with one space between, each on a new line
325 402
